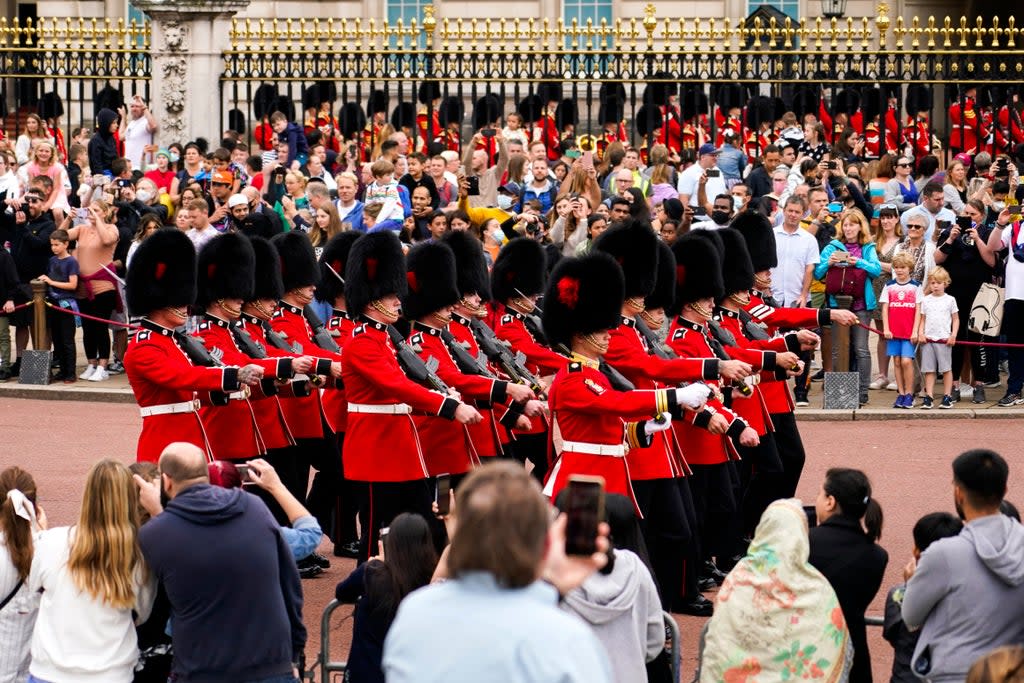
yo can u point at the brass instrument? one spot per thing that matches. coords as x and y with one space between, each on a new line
586 143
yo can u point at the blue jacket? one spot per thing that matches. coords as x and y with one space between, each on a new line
546 198
236 601
298 148
868 262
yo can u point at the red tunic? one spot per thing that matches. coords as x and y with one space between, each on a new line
671 131
370 138
334 400
540 360
379 446
161 374
427 132
546 130
917 135
487 438
966 129
269 412
1009 130
586 413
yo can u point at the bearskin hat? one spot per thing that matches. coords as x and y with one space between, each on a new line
870 103
51 106
332 266
760 110
403 116
549 91
430 274
263 100
108 98
520 265
648 119
806 100
612 110
635 247
584 296
428 92
757 231
162 274
227 269
698 270
298 260
729 96
377 103
662 88
611 91
919 98
351 119
268 270
284 105
737 270
530 108
311 98
236 121
486 110
566 114
693 101
847 102
470 263
451 111
375 269
664 292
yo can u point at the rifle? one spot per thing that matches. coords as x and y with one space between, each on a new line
200 356
413 366
500 354
752 329
655 345
247 344
321 337
468 365
718 340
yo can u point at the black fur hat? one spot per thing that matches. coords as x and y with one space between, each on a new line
486 110
760 237
648 119
693 101
51 106
635 247
108 98
611 91
236 121
806 100
428 92
664 292
760 110
729 96
263 100
530 108
227 269
163 273
584 296
566 114
520 265
268 270
375 269
847 101
351 119
698 270
284 105
451 111
404 116
430 274
612 110
298 260
378 102
919 99
470 263
657 93
737 270
311 98
549 91
870 103
332 265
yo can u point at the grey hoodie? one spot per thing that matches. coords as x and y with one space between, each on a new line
967 596
624 611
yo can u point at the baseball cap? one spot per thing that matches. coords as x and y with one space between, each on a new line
510 188
707 148
237 200
223 177
125 182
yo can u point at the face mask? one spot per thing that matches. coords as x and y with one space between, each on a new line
498 236
175 158
737 201
998 206
720 217
143 196
504 202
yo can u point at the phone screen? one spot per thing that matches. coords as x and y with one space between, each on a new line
474 185
835 207
442 494
584 510
963 222
1014 209
588 160
488 132
713 173
244 473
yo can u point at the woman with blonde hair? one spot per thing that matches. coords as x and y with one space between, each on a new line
848 265
35 130
954 192
92 578
21 519
44 163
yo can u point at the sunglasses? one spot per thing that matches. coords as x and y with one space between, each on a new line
903 165
221 184
888 207
32 200
915 227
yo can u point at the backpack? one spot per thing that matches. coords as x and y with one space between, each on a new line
986 315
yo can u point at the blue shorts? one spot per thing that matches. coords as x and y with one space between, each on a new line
900 348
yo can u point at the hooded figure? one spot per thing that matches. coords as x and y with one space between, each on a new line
430 274
227 270
635 247
470 264
162 274
375 269
520 266
102 145
333 262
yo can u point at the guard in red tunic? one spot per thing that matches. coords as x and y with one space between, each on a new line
917 131
311 425
169 384
340 325
546 128
372 135
610 114
432 292
489 436
967 129
663 95
648 123
450 118
428 120
1009 126
517 280
382 449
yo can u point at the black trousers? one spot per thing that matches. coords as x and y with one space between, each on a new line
327 487
791 451
62 331
667 532
761 480
532 448
381 502
712 487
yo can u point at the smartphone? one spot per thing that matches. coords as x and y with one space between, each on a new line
835 207
584 510
81 217
1014 209
812 516
713 173
588 160
488 132
442 494
474 185
384 531
574 154
963 222
245 474
831 165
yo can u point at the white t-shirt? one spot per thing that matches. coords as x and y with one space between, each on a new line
795 251
689 181
938 315
1014 268
136 137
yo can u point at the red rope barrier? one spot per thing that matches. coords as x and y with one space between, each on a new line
129 326
958 342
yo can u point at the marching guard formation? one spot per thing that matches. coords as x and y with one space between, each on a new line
664 371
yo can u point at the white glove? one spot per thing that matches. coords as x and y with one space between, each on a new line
653 427
693 396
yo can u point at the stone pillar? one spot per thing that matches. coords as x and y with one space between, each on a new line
188 39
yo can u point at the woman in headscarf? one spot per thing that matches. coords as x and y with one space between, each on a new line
775 612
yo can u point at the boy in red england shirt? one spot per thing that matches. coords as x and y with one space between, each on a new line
900 304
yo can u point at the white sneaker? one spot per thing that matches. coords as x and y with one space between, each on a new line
100 375
966 391
891 386
879 383
88 372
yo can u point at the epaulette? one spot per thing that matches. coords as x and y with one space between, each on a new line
679 333
416 339
575 367
142 335
204 326
278 313
359 330
506 319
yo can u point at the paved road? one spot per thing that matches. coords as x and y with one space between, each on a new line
908 462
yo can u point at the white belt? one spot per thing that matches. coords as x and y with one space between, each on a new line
380 409
170 408
615 450
239 395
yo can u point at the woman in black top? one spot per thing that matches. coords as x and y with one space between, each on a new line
406 562
844 548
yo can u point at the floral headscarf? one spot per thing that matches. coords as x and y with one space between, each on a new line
776 617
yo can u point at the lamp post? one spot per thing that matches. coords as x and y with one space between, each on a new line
833 9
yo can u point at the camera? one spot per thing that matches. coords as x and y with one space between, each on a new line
831 165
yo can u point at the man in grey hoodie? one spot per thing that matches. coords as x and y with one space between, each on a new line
966 593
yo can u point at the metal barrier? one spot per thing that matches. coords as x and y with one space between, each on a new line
323 661
675 648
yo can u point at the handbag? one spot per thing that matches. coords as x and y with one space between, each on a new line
845 281
986 315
